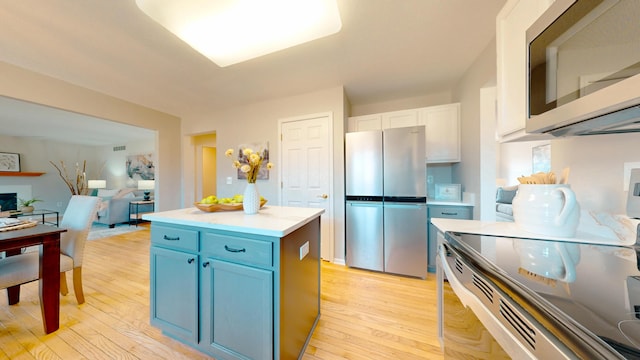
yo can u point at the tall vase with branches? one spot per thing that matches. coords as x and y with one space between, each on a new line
77 184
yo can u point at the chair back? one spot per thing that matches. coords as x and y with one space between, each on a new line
77 219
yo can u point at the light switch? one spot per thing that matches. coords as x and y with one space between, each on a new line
229 180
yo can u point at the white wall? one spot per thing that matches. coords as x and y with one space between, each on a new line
516 159
22 84
597 164
402 104
470 172
259 123
113 163
36 154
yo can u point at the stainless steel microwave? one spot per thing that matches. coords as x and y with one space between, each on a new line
583 64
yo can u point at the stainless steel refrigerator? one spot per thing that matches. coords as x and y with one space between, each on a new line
386 210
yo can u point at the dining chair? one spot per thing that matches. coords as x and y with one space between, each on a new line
77 220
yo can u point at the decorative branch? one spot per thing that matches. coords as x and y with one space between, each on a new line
77 186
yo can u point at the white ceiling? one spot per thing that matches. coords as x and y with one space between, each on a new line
386 50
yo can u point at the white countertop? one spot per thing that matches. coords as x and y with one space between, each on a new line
270 220
592 234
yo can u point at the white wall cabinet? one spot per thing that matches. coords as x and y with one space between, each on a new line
398 119
442 125
511 25
442 131
365 122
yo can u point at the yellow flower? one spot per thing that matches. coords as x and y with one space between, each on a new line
251 162
254 159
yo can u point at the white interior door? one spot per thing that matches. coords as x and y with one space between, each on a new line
306 172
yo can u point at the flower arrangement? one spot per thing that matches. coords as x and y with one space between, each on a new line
76 184
252 165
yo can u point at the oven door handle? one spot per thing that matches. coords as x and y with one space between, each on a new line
501 334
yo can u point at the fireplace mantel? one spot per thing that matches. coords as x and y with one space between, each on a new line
10 173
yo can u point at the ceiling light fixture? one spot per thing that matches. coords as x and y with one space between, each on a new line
233 31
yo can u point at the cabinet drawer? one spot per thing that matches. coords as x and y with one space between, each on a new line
453 212
236 249
174 238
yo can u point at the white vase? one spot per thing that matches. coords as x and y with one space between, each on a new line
251 199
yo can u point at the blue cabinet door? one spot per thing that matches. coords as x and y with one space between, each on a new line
174 292
237 310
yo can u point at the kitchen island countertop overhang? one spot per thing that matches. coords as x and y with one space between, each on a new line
276 221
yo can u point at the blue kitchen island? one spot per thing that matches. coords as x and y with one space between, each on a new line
237 286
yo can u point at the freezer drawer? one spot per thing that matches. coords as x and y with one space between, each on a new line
364 235
405 239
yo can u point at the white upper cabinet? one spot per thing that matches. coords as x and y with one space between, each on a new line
365 122
442 128
398 119
511 26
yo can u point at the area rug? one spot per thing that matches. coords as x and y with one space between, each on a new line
99 231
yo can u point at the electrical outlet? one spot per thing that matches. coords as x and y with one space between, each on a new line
229 180
304 250
626 175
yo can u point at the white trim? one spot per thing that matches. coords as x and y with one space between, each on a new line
332 203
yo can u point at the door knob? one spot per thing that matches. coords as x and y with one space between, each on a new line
324 196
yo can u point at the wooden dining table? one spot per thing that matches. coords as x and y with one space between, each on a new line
48 237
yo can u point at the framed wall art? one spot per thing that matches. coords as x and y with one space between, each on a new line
140 167
541 158
9 162
263 148
448 192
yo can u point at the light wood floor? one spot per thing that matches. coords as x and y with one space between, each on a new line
365 315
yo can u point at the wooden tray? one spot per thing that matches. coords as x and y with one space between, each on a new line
223 207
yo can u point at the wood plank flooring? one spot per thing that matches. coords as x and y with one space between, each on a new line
365 315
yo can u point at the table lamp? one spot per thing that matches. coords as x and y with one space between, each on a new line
97 184
147 186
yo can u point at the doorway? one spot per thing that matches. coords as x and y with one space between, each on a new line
205 157
306 173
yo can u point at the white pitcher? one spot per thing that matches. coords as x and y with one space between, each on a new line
549 209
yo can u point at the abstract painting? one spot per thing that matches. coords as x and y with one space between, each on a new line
140 167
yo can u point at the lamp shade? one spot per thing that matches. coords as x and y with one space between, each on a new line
146 184
97 184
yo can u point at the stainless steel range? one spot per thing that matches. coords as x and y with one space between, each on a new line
538 299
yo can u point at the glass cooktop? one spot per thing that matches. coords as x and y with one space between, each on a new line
598 286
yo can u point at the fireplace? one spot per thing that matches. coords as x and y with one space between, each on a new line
8 201
13 193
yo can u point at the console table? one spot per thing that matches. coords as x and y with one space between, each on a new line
42 213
